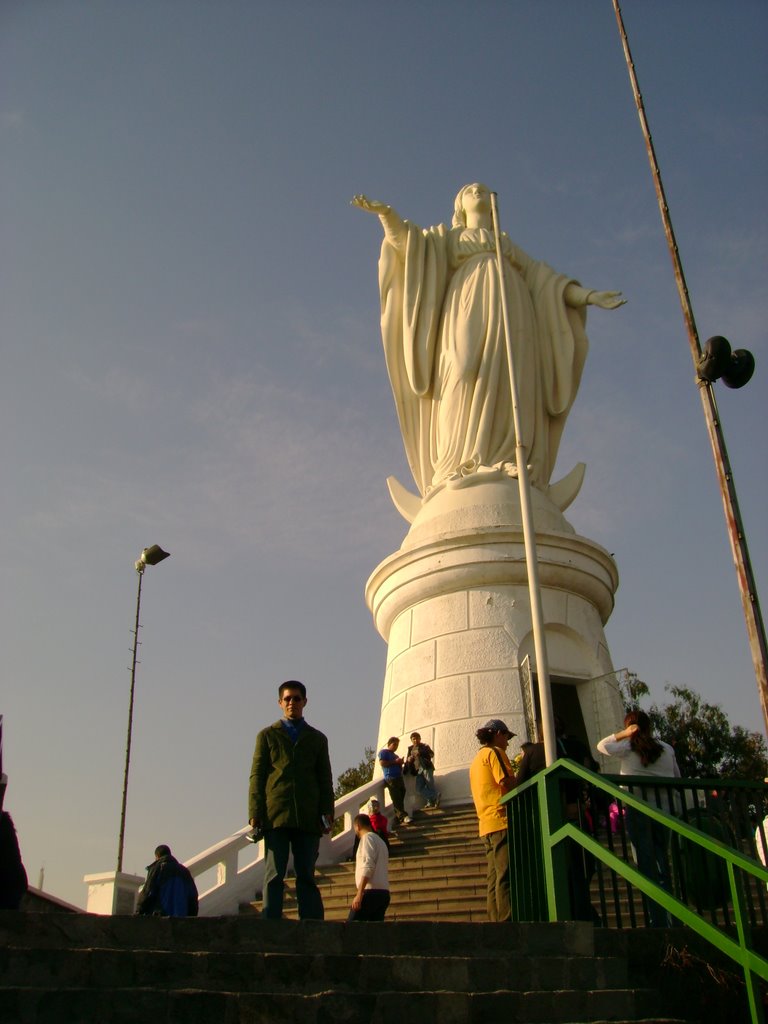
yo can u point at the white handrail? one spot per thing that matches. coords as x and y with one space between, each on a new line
235 885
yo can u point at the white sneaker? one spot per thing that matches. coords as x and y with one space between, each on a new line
407 820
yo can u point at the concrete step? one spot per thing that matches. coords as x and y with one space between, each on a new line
425 872
302 972
196 1006
253 934
82 969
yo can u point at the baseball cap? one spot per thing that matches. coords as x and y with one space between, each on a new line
496 725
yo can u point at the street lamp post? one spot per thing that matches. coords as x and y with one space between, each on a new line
149 556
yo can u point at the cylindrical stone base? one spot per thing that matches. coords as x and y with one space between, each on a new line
454 607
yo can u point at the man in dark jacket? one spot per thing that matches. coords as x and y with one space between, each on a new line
169 890
291 799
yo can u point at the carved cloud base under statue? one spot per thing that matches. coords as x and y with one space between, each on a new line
453 606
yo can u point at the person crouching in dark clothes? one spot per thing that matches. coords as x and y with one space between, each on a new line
169 890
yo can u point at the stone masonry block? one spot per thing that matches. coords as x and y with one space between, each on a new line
554 605
441 615
489 691
456 744
475 650
414 666
392 720
582 617
387 691
439 701
498 607
399 636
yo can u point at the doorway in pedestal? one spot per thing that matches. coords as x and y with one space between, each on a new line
565 705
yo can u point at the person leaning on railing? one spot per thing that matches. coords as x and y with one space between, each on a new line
641 753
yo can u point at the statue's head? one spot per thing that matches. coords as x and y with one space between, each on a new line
477 195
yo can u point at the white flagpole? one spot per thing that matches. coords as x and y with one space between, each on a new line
529 533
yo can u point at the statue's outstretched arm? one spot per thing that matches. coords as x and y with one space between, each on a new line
577 296
391 221
605 300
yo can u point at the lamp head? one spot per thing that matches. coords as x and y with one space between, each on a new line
151 556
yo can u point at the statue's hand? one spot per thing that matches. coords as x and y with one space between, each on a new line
370 205
606 300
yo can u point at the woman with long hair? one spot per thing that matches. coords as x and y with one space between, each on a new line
642 753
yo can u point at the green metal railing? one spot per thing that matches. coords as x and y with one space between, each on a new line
716 888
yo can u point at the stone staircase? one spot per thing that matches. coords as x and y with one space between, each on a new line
436 873
434 958
83 969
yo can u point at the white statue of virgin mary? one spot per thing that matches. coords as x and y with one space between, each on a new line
443 333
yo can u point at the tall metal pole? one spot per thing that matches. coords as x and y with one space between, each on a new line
526 510
740 552
140 567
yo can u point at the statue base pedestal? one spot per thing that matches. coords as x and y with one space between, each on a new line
454 608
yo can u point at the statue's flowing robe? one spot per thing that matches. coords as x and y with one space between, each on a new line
443 334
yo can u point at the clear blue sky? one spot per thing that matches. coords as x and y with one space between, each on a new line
191 357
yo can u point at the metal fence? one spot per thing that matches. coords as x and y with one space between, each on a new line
629 852
729 811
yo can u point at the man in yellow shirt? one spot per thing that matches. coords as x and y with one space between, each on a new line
490 777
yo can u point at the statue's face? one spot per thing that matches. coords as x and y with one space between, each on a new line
476 198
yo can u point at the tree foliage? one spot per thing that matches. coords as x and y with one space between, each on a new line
632 691
355 777
706 745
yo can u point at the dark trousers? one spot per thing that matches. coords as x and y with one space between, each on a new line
396 789
278 843
425 785
374 906
581 868
651 842
496 847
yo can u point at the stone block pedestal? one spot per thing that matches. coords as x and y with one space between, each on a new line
454 608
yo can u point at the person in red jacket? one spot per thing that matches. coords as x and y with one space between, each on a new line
379 822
